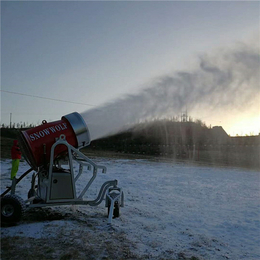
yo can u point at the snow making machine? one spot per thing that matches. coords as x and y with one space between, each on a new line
53 152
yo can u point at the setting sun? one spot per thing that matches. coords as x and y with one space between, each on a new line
245 126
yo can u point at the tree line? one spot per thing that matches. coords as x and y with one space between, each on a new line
18 125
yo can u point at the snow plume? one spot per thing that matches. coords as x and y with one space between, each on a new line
227 79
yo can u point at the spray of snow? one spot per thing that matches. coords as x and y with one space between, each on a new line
226 79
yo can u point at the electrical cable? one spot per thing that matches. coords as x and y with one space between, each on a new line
53 99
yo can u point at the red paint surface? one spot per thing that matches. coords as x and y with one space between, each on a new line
46 134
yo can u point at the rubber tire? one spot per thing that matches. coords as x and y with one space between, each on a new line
12 208
31 193
116 211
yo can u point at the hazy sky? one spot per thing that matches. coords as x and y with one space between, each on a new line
97 52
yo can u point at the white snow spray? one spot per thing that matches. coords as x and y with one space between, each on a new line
226 79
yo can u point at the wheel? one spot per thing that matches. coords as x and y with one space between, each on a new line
116 212
12 208
31 193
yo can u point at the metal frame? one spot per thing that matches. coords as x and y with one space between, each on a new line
74 155
109 190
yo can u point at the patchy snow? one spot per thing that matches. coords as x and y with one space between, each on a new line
34 230
171 209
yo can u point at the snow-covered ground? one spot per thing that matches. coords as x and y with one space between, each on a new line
171 209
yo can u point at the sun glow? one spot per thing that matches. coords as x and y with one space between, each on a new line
244 126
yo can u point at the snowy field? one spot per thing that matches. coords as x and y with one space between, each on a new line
172 210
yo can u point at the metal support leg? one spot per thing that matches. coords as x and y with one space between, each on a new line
110 215
13 185
113 197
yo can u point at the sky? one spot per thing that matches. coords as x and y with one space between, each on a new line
58 57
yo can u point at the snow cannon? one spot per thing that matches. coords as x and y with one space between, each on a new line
62 174
36 142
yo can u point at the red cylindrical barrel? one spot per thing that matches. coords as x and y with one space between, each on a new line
36 142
